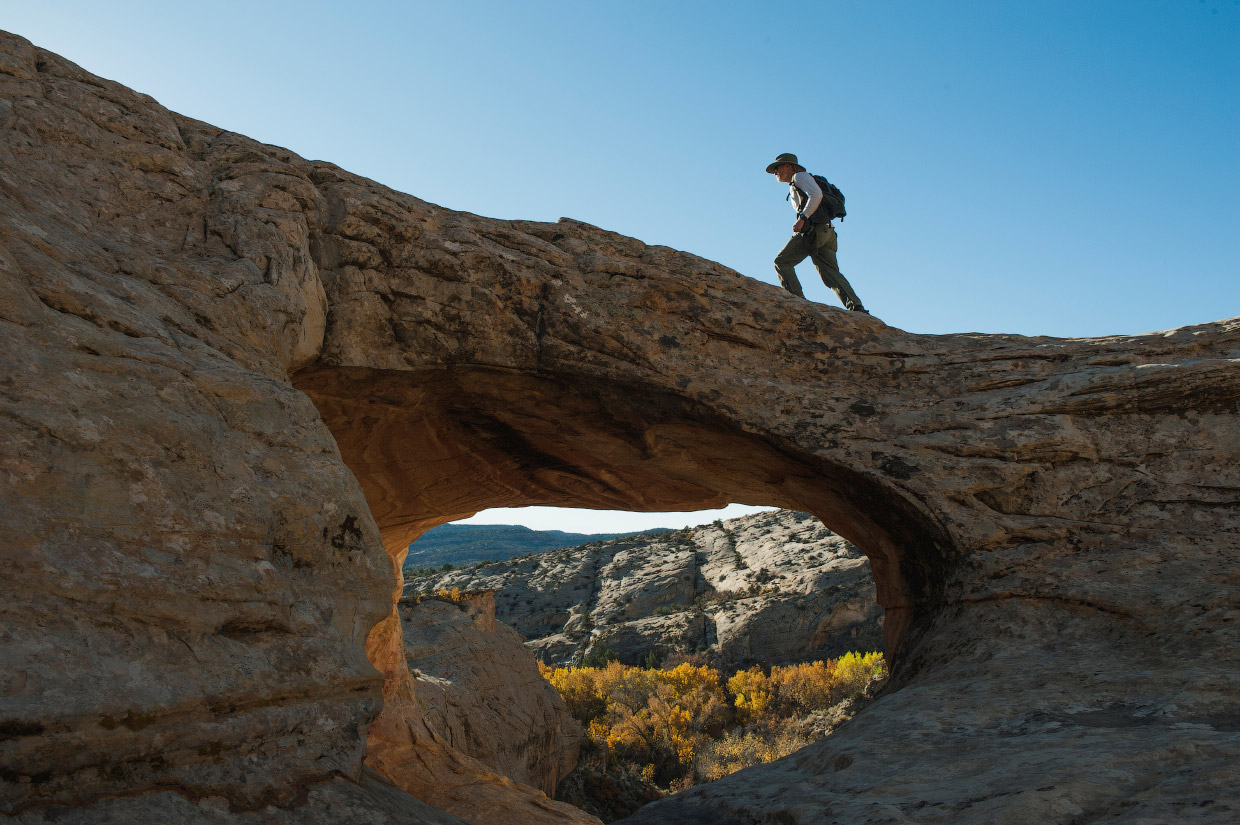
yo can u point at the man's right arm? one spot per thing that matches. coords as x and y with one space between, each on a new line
813 193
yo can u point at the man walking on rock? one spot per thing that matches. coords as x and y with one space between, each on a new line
813 235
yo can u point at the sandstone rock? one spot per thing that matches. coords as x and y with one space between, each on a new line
403 746
482 694
230 376
605 791
770 588
189 571
372 800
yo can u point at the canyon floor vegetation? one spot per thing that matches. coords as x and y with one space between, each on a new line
686 722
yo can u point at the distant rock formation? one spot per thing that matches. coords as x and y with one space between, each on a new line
232 377
769 588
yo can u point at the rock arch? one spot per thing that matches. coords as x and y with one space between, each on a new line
1019 497
485 438
431 446
195 560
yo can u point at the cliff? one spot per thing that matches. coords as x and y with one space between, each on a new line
770 588
231 377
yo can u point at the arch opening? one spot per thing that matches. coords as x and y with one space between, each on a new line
436 446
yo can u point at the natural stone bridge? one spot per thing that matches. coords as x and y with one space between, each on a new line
232 376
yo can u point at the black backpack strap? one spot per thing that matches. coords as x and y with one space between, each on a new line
799 189
822 213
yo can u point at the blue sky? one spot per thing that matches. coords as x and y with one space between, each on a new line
1041 168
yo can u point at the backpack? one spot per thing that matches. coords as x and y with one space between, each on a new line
832 205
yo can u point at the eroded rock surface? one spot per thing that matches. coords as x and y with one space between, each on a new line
770 588
189 571
371 799
231 376
481 691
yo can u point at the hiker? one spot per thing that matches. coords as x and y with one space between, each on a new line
812 234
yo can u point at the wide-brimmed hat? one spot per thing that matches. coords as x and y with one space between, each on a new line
786 157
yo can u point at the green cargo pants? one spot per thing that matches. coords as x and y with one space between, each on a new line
820 244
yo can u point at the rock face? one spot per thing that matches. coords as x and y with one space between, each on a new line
769 588
230 377
189 571
370 799
481 691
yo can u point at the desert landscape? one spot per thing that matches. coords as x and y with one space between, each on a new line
237 384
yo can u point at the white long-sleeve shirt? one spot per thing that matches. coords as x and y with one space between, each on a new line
807 203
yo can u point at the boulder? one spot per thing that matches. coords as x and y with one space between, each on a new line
482 694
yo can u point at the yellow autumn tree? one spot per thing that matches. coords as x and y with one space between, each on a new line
686 724
855 670
752 694
744 748
578 687
804 688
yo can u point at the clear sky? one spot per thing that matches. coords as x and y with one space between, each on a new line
1063 168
